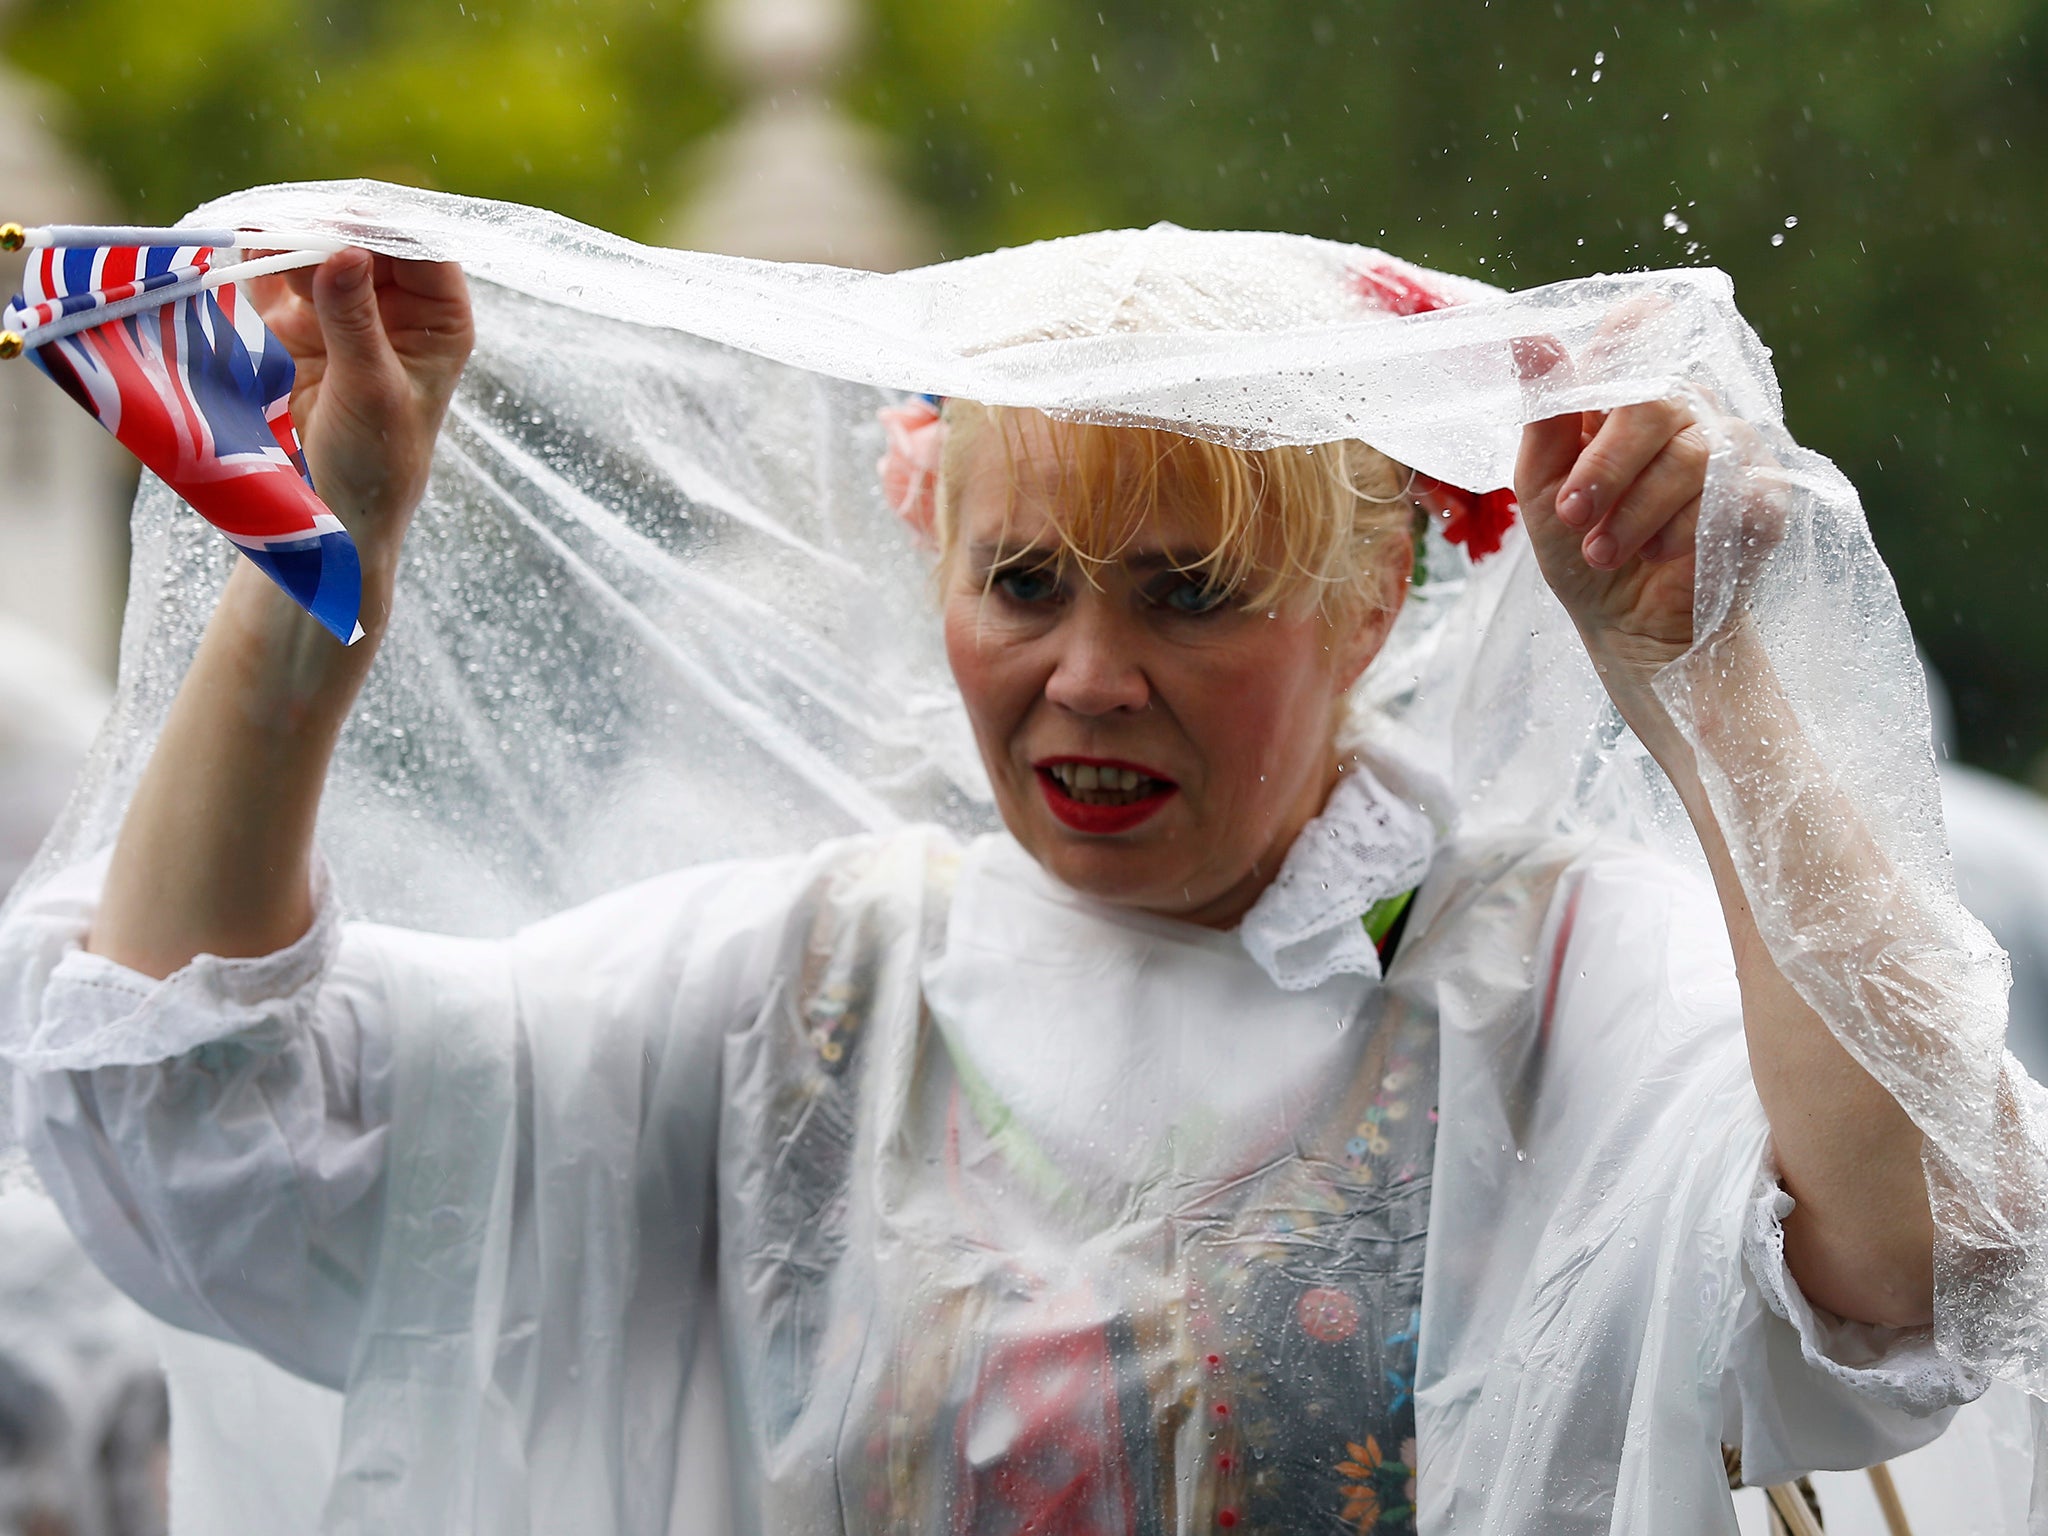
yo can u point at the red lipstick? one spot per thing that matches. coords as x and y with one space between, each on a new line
1101 820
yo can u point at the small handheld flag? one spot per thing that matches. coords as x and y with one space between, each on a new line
144 329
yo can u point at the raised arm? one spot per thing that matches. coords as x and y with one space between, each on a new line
214 855
1611 502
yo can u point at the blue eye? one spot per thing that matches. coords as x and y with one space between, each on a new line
1190 596
1027 584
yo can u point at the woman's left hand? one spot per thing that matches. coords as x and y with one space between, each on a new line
1612 501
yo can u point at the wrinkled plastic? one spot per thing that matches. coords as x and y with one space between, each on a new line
654 612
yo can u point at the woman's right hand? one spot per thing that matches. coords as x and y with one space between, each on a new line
216 852
379 344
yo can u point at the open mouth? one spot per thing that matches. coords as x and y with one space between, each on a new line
1102 797
1105 784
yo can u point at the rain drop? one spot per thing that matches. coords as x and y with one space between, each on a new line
1791 221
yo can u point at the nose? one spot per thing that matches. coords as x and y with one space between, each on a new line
1097 666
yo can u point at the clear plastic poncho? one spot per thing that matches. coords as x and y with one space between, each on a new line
654 612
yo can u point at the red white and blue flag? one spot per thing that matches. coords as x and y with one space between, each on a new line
185 373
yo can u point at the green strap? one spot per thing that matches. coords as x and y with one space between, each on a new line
1000 1125
1381 916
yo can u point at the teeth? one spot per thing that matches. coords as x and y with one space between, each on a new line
1098 785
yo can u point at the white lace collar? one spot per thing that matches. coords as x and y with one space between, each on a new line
1367 845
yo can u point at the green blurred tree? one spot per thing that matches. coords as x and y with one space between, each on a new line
573 106
1522 143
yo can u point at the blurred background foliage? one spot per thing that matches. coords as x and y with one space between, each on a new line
1869 171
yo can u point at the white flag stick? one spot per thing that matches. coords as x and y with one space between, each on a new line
14 237
14 343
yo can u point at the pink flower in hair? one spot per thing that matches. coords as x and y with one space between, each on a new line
910 465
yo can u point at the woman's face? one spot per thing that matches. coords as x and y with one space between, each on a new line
1149 744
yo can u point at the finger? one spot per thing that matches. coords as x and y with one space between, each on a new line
430 299
1620 333
1549 449
268 293
438 280
1675 540
1536 357
300 281
1543 365
345 298
1670 482
288 315
1623 447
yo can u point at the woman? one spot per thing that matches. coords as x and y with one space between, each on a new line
1077 1179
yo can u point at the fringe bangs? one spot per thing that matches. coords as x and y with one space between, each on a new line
1299 528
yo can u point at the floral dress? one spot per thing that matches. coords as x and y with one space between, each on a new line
1224 1349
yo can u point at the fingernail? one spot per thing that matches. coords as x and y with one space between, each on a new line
1535 355
1600 549
1575 508
355 270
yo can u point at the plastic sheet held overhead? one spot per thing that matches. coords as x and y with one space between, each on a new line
655 610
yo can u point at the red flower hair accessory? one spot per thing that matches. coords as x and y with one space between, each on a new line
909 466
1479 520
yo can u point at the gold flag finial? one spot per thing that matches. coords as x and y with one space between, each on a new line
10 345
12 237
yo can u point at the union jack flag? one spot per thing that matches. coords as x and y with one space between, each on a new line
199 390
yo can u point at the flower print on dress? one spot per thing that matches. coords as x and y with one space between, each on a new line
1380 1491
833 1017
1406 1337
1362 1494
1327 1315
1403 1340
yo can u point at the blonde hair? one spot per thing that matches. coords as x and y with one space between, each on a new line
1304 528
